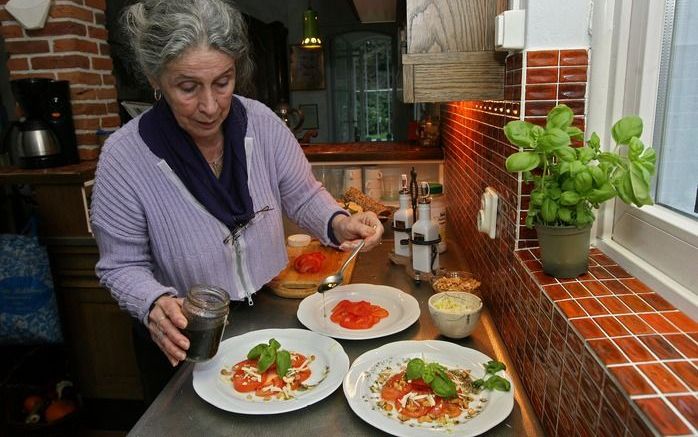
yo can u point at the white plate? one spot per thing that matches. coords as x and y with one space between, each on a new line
403 310
212 388
365 369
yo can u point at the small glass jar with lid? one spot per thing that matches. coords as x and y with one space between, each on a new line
206 309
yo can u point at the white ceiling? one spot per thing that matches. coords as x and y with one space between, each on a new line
375 11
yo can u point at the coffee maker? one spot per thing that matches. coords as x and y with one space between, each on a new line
46 136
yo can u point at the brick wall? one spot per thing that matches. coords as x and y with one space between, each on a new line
601 354
71 46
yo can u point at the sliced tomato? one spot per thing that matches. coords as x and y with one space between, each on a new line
413 408
357 315
379 311
395 388
452 410
269 379
309 262
242 382
420 386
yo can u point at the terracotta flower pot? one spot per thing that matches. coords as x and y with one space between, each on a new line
564 250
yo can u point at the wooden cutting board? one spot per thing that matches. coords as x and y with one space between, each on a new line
289 283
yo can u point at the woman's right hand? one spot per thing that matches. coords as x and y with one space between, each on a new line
165 321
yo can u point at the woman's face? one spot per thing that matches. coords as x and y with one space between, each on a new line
199 87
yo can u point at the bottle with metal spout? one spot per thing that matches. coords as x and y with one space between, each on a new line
402 221
425 236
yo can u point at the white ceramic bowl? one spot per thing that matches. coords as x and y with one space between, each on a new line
456 324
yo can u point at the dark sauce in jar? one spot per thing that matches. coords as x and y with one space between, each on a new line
206 310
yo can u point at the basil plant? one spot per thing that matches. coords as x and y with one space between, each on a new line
570 181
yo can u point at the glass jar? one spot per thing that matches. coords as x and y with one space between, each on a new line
206 310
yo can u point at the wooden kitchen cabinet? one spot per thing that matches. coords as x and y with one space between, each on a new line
449 54
97 333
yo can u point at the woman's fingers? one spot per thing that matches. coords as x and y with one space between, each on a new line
164 323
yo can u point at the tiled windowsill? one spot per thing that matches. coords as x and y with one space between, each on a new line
638 355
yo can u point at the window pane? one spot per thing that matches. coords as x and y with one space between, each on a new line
677 181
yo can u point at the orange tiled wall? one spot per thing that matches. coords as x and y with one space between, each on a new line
601 354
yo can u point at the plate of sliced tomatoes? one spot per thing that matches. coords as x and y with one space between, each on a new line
359 311
233 382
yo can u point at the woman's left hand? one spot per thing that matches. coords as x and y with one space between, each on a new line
360 226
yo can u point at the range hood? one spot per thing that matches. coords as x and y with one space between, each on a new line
375 11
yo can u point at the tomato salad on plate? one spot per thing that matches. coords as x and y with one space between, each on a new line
357 315
270 373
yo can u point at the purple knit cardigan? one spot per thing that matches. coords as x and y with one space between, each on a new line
155 238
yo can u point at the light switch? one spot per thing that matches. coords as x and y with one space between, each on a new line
487 216
509 30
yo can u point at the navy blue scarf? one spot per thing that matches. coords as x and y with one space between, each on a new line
228 198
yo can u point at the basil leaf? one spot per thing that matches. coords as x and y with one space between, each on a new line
478 383
594 142
274 344
640 181
522 161
283 363
549 210
585 154
428 374
565 214
519 133
496 382
415 367
553 138
256 351
266 359
626 128
494 366
583 181
566 153
559 117
443 386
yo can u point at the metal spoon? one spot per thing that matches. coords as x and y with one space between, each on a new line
334 280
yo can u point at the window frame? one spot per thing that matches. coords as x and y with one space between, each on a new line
656 244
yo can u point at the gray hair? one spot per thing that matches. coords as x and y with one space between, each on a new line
160 31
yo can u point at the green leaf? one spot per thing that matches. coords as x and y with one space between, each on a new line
568 184
522 161
598 175
478 383
566 153
443 386
564 167
624 186
554 192
594 142
610 158
256 351
575 132
560 117
626 128
549 210
635 148
583 181
601 194
585 154
569 198
494 366
537 198
283 363
552 139
584 214
267 358
428 374
415 367
519 133
496 382
530 218
640 181
648 160
274 344
565 214
576 167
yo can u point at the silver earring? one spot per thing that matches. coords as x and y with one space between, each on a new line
157 94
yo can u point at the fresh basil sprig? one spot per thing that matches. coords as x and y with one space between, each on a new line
493 382
433 374
268 354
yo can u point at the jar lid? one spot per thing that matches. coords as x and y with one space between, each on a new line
435 188
298 240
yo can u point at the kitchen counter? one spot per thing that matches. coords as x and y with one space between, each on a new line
178 410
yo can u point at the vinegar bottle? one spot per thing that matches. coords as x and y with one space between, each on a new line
425 239
402 223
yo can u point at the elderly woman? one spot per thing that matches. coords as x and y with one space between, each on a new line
193 190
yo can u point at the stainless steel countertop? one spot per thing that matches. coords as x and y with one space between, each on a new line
178 410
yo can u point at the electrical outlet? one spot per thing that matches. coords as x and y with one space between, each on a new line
487 216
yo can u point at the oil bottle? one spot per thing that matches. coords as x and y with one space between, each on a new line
402 221
425 236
